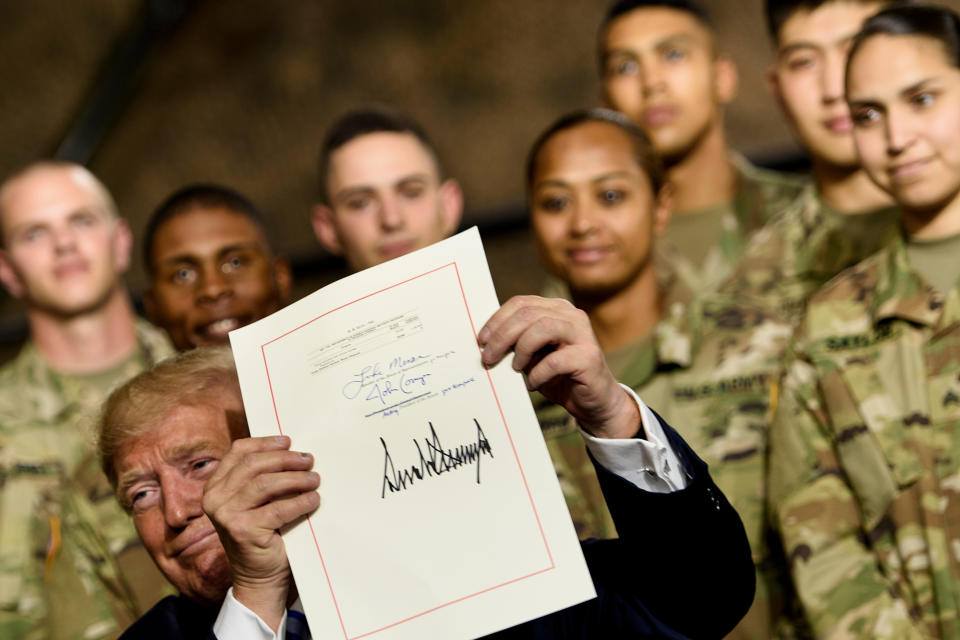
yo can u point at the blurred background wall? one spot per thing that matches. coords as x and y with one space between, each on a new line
154 94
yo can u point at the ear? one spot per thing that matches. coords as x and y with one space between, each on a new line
122 245
725 79
451 199
283 277
325 229
662 209
8 276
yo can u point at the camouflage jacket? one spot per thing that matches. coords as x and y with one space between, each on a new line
65 544
864 482
762 196
786 262
709 370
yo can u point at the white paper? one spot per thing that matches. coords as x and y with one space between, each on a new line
379 377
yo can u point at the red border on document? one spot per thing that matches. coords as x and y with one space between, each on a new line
505 426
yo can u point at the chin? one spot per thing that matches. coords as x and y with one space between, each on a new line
208 584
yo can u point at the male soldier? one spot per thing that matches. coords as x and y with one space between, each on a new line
661 68
165 443
597 200
210 266
842 217
66 550
382 189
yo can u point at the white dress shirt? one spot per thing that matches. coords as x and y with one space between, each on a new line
651 464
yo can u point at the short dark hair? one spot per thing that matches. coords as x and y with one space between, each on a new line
645 154
925 20
198 196
362 121
620 7
777 12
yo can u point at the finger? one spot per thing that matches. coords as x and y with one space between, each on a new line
235 473
225 510
270 486
244 446
276 514
518 314
575 362
540 338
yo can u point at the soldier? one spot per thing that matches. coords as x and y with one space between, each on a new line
210 265
597 202
842 217
661 67
67 553
383 193
865 473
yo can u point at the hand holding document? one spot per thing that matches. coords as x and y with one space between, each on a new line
441 513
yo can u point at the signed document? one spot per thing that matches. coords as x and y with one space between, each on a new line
441 515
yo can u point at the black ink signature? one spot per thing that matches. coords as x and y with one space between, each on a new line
434 462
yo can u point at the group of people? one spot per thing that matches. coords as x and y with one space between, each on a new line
800 334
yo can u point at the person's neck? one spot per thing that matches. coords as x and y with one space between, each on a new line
625 316
848 189
86 343
933 225
704 177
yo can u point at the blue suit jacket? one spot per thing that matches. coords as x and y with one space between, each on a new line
680 569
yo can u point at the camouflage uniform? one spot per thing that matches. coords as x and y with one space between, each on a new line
864 479
709 369
66 548
789 259
762 196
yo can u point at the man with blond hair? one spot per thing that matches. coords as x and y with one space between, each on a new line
208 502
66 550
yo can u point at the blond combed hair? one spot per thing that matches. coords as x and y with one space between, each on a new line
190 378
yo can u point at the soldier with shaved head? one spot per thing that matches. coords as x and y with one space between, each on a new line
65 547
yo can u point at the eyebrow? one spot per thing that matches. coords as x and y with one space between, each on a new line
347 192
803 44
678 38
192 259
916 86
176 453
556 182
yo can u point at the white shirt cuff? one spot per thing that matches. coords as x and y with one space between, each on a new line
651 463
237 621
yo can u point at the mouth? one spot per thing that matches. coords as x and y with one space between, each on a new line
839 124
190 543
907 170
68 269
658 116
396 248
587 255
217 330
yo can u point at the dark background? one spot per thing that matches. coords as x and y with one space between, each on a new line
153 94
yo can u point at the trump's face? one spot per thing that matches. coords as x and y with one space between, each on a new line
160 480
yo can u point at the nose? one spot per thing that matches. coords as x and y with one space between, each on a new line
900 132
64 239
182 500
214 283
651 75
582 218
832 78
391 214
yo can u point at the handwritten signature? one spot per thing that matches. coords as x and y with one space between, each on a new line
370 374
434 460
